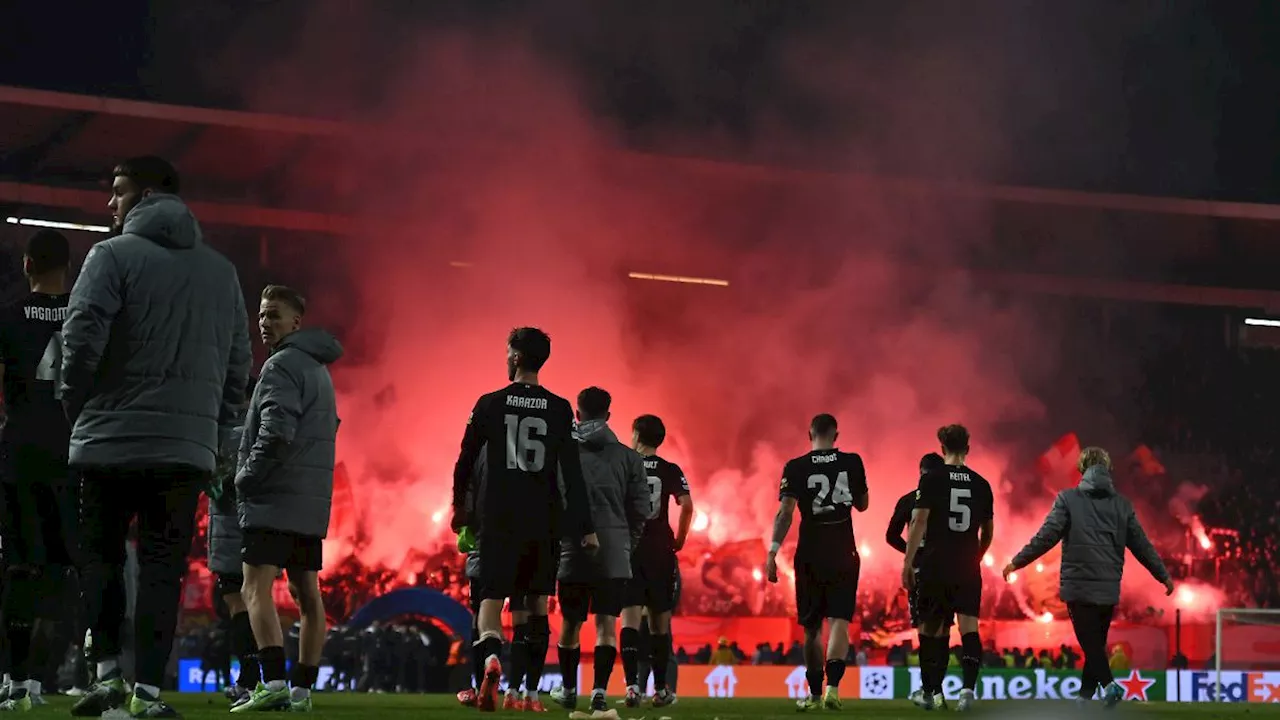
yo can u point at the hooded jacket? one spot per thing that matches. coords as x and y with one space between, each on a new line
284 480
618 495
1095 525
225 535
155 348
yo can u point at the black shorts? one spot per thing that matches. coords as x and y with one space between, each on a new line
940 597
38 521
603 597
653 584
290 551
227 584
826 593
513 567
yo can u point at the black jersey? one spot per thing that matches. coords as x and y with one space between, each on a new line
666 481
959 502
31 350
526 433
824 484
900 521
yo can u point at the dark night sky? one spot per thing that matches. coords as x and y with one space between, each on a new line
1174 98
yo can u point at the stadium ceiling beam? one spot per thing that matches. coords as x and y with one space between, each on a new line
740 170
265 218
95 202
24 162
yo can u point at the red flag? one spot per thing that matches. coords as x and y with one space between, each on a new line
1057 466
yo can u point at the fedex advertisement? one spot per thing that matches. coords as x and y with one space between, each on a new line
1237 686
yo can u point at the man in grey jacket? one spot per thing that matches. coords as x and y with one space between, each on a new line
1095 524
618 492
155 358
285 491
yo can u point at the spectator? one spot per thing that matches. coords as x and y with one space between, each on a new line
724 655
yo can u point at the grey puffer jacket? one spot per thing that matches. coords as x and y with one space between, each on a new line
285 477
1095 525
225 535
155 348
618 494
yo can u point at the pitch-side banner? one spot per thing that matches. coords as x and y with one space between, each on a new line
1237 686
1029 684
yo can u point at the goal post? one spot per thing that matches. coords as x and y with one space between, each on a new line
1247 635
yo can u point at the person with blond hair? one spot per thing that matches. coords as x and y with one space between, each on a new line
1095 524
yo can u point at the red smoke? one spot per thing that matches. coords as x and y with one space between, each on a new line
487 196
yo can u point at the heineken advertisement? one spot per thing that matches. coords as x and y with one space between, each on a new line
1027 684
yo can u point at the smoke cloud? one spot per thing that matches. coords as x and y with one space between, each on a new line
492 192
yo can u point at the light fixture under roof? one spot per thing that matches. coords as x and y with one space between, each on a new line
55 225
678 279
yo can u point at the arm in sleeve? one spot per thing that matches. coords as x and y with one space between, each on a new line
279 397
858 486
637 498
577 504
1140 545
95 301
472 443
898 523
239 360
1049 534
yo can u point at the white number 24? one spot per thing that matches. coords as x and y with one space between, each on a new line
839 494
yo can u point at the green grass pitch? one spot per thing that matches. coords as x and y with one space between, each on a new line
444 707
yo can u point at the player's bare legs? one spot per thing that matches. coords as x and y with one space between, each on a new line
537 642
630 640
837 651
970 659
489 645
519 654
933 663
660 625
305 588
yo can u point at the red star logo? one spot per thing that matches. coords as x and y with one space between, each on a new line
1135 686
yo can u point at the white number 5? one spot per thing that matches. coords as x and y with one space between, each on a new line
961 523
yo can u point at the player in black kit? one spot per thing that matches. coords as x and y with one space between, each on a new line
653 564
827 485
951 529
526 432
902 518
39 509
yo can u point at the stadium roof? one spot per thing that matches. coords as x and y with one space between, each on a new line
58 144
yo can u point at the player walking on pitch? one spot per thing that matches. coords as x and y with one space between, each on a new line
951 529
827 485
619 495
654 572
901 519
526 432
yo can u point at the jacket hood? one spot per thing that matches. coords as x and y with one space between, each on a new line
594 433
1097 482
164 220
315 342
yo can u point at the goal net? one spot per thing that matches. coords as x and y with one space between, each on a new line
1246 660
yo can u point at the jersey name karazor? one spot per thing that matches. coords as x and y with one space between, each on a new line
526 432
824 484
31 350
959 502
666 481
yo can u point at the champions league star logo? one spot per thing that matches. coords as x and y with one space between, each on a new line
877 684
